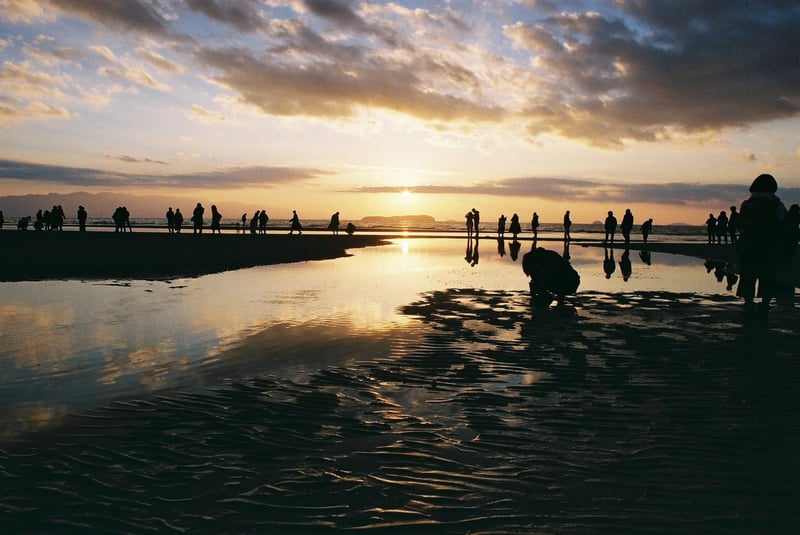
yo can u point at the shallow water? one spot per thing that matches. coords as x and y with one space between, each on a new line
400 386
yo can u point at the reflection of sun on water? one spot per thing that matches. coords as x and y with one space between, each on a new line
404 245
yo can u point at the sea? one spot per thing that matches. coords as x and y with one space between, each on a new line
412 387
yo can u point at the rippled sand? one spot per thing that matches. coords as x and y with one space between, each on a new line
652 412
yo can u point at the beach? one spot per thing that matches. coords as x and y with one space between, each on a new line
400 389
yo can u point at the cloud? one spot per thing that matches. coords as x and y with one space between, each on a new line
129 15
12 112
130 159
323 88
24 11
104 52
135 75
199 113
228 178
156 59
241 14
651 71
561 190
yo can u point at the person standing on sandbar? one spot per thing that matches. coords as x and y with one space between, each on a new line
567 225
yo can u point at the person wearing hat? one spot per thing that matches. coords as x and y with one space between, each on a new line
759 245
82 218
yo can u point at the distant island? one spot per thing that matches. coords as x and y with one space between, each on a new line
398 219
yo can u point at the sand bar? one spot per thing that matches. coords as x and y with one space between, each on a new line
149 255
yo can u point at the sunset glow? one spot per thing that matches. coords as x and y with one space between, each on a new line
513 106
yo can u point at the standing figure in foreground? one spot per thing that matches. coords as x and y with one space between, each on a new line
722 227
197 219
333 226
295 223
627 225
82 215
170 215
515 228
567 225
216 217
476 219
733 225
711 228
178 220
611 227
760 243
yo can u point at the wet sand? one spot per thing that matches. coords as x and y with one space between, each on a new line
654 412
33 255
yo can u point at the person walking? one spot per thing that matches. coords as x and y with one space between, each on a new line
627 226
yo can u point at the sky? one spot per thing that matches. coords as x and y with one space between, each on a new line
667 107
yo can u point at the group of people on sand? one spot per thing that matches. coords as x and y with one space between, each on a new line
515 228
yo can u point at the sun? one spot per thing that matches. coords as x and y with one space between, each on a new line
406 193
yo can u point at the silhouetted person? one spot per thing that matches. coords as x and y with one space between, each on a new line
23 222
333 226
733 225
627 226
350 228
476 219
82 215
39 224
515 228
216 218
119 220
625 266
552 276
170 215
646 229
760 248
501 226
244 223
197 219
254 222
711 228
263 219
722 227
610 226
469 218
295 223
609 265
567 226
57 218
535 226
178 220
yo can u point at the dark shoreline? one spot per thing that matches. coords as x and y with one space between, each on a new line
29 256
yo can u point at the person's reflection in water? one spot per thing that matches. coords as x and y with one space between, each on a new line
731 277
513 248
644 255
609 265
566 250
625 266
475 254
501 247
